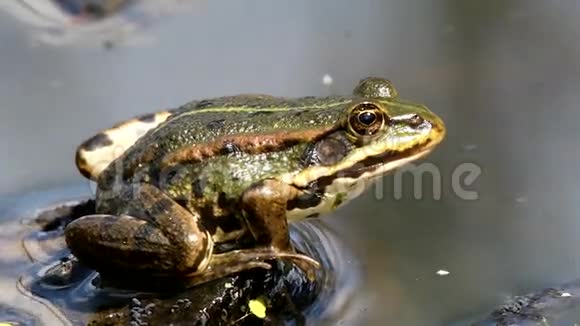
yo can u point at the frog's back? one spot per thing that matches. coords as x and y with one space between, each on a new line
198 124
204 121
195 123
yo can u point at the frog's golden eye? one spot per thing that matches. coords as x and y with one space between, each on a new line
366 119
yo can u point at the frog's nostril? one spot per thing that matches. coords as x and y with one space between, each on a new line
415 120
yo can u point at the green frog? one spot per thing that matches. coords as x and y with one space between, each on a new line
208 189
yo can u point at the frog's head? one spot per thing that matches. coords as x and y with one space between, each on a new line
385 131
376 134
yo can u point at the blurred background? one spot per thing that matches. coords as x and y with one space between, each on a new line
503 75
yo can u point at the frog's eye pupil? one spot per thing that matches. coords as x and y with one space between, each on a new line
367 118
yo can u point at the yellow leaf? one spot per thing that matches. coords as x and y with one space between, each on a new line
257 307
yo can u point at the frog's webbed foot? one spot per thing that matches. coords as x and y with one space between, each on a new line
308 265
235 261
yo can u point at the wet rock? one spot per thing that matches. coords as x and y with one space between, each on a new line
539 308
64 274
222 302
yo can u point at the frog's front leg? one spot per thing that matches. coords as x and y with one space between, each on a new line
158 236
264 206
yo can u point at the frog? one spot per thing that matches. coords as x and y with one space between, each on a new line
209 189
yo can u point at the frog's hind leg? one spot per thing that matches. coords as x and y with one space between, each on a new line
157 236
160 237
96 153
116 244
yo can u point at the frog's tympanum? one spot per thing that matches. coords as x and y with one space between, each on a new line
208 189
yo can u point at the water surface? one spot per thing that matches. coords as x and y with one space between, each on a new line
502 74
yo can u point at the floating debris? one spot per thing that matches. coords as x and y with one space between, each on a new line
521 199
258 308
469 147
327 80
443 272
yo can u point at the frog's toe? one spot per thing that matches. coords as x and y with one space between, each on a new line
308 265
303 261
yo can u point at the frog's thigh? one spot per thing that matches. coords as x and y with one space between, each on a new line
97 152
164 238
264 206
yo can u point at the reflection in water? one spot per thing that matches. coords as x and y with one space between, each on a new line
57 277
91 9
13 316
342 277
106 22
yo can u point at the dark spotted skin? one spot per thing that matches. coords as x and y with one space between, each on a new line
194 192
215 125
97 141
224 173
199 185
221 170
147 117
96 153
169 238
176 245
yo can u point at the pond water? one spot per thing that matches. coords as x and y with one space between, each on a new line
502 74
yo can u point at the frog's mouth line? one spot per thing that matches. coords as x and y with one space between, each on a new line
392 162
378 164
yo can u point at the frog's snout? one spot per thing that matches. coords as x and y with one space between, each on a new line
437 123
437 127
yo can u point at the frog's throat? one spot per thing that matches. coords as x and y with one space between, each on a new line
366 168
322 194
374 165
